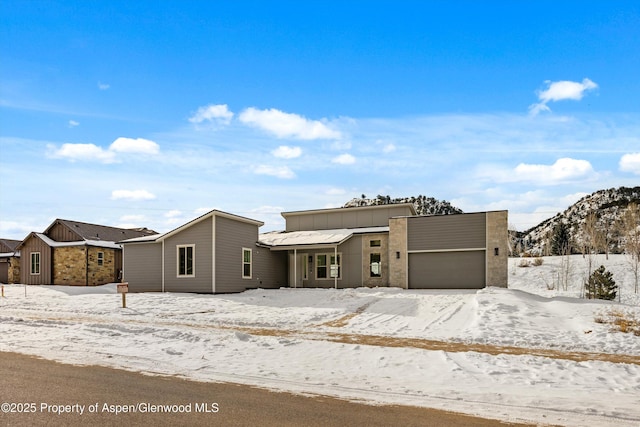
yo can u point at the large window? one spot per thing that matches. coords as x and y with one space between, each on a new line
328 267
375 265
246 263
35 263
186 261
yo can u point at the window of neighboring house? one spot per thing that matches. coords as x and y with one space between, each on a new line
246 263
35 262
100 259
375 265
186 262
374 243
327 267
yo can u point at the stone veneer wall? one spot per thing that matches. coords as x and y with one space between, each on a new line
69 266
99 275
497 238
367 250
14 270
398 266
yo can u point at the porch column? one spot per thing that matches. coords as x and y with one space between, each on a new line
335 279
295 268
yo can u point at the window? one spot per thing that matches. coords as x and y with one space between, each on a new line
35 263
375 265
246 263
374 243
327 267
100 258
186 267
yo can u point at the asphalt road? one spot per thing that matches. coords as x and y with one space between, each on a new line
37 392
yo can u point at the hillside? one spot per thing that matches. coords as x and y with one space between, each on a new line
608 205
424 205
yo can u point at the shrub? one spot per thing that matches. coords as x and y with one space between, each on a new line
524 263
601 285
537 262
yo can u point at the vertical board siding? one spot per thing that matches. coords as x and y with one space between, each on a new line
35 244
231 236
61 233
199 234
143 267
445 232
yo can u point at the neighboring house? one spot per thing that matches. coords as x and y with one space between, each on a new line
215 253
9 261
385 245
74 253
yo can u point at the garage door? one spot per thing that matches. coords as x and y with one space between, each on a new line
447 270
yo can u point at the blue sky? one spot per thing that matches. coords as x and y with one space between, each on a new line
150 113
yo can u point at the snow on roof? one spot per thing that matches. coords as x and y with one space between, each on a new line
144 239
98 243
283 239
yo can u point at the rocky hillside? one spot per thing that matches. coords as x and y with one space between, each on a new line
608 205
424 205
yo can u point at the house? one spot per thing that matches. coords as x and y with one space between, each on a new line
385 245
74 253
9 261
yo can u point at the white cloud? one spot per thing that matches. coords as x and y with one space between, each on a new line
133 219
135 146
562 170
559 91
132 195
630 163
173 214
92 152
277 171
103 86
286 152
287 125
389 148
75 152
73 123
344 159
219 113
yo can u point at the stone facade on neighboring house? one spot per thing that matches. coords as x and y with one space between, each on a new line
74 254
9 261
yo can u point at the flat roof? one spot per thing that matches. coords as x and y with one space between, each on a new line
283 240
352 208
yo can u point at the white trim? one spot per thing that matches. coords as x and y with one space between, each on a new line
250 263
100 259
193 261
31 263
446 250
328 265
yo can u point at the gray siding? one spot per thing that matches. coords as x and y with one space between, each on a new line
269 268
351 265
143 267
447 270
442 232
35 244
230 237
372 216
199 234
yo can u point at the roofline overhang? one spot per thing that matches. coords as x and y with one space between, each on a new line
353 208
208 215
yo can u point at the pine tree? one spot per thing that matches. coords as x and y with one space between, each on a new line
560 240
601 285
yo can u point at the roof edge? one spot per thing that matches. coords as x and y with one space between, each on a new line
352 208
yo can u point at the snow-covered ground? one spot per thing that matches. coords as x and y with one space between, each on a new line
317 341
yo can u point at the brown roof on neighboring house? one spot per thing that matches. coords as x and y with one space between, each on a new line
8 245
101 232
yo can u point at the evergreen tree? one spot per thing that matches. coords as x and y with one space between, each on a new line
560 240
601 285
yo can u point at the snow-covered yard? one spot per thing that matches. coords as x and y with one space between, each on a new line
317 341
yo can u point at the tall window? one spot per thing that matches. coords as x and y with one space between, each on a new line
328 267
246 263
100 258
35 262
375 265
186 267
